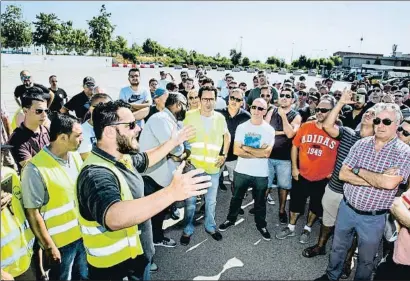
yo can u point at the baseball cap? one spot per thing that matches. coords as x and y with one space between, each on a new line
159 92
302 78
89 82
361 91
287 84
315 95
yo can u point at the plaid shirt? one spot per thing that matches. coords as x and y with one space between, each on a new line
363 155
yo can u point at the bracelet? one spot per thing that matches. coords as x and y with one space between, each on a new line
406 199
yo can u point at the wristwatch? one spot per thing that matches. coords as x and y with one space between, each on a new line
356 171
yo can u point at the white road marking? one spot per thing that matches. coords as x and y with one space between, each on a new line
257 242
195 246
234 262
247 205
239 221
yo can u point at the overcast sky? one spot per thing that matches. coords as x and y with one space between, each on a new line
315 29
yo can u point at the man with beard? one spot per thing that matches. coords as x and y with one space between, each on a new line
312 101
372 171
334 190
209 149
157 131
28 83
110 192
189 85
352 118
184 76
313 157
80 103
286 122
256 93
163 82
134 94
47 186
60 96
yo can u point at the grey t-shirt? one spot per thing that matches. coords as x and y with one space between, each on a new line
34 191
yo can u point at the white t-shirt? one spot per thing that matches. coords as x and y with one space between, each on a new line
88 138
163 83
224 90
254 136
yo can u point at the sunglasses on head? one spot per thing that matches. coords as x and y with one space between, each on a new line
235 99
386 121
40 111
321 110
403 131
193 98
257 107
131 125
287 96
265 96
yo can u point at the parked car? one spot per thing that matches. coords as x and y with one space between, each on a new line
178 67
144 65
298 72
184 65
282 71
312 72
191 67
152 65
208 67
250 70
220 69
215 67
236 69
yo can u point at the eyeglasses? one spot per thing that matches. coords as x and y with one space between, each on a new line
265 96
235 99
377 90
131 125
40 111
25 77
287 96
208 99
398 96
403 131
257 107
231 88
303 94
193 98
321 110
386 121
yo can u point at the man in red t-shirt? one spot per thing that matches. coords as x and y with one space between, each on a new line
313 158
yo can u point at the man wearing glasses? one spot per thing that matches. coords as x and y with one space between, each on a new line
184 76
80 103
253 144
256 93
398 99
405 91
209 150
312 101
313 156
372 171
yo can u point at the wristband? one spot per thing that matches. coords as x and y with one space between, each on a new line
406 199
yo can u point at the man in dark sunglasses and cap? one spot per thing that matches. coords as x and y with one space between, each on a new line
80 103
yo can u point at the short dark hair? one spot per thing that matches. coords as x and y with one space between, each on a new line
209 89
229 76
287 89
105 114
174 98
190 79
133 70
171 86
255 78
208 80
406 120
52 76
32 94
152 80
266 87
242 84
61 124
99 96
394 88
330 99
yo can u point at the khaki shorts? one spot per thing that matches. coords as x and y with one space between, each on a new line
330 202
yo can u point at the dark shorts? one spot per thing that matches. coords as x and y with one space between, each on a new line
301 190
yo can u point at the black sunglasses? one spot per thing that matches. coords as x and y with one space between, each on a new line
131 124
322 110
303 94
231 88
257 107
287 96
39 111
386 121
403 131
193 98
235 99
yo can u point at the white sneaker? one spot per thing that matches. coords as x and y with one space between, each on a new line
288 197
270 200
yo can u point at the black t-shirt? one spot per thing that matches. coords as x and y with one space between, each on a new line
80 104
185 93
407 102
60 98
283 144
152 110
232 123
21 89
304 113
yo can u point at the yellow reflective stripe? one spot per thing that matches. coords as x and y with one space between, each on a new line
197 157
91 230
15 257
114 248
62 228
213 147
197 145
14 234
210 159
58 211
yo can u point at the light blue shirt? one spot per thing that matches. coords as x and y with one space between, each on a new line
141 96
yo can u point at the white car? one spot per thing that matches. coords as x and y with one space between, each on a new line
220 69
312 72
236 69
208 68
298 72
178 67
250 70
282 71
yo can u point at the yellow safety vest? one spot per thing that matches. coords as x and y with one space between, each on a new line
205 148
60 214
14 120
108 248
16 236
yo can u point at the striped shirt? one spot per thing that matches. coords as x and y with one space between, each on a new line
348 138
363 155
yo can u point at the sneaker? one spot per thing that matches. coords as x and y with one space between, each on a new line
216 235
252 211
227 224
185 239
265 233
283 218
314 251
270 200
166 242
286 232
304 237
288 197
241 212
175 215
153 267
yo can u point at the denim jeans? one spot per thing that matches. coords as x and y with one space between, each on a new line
369 230
210 204
241 184
73 264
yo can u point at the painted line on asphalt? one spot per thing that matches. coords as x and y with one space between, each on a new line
195 246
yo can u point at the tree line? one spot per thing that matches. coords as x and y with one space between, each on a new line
57 36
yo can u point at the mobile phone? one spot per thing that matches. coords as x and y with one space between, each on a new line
359 98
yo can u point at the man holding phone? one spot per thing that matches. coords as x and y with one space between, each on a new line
163 81
352 118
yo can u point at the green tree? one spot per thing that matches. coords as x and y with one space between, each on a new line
15 32
122 43
273 60
65 40
46 31
152 47
82 43
235 57
246 61
101 31
137 49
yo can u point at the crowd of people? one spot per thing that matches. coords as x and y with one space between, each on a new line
88 181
